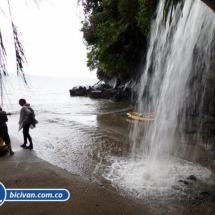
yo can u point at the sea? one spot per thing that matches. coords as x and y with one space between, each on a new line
69 133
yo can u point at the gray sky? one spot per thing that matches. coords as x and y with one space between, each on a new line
50 35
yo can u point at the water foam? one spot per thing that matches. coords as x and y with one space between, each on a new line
139 180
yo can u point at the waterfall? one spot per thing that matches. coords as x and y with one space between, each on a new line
179 54
173 85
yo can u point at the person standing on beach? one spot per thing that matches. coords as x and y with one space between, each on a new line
27 120
4 130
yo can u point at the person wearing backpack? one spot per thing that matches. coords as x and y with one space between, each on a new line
27 120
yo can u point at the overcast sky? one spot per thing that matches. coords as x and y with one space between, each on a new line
50 35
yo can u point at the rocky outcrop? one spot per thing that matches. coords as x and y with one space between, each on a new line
80 91
96 94
116 93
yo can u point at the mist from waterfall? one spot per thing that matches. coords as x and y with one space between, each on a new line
173 85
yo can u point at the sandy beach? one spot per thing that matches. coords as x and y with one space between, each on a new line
26 170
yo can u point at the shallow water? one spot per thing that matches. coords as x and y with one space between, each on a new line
90 138
70 132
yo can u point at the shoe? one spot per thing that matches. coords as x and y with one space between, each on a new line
11 153
29 147
23 145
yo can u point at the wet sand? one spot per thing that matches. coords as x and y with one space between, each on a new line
25 170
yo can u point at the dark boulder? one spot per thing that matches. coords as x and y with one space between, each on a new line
124 95
192 177
184 182
101 87
123 91
117 97
108 93
96 94
80 91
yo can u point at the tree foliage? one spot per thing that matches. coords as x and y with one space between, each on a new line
116 33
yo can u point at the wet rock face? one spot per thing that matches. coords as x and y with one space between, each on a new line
118 93
210 3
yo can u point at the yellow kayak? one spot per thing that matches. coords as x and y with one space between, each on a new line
137 116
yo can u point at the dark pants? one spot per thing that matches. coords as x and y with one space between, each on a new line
26 134
4 134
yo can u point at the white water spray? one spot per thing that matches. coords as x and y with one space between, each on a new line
178 55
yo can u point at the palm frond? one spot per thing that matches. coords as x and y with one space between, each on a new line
2 66
2 56
20 54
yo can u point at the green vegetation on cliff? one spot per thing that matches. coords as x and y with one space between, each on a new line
116 34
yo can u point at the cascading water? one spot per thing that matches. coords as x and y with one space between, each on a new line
172 85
